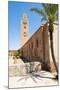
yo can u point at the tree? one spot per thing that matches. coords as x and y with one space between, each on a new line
49 13
17 54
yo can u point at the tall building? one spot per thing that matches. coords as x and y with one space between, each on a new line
24 29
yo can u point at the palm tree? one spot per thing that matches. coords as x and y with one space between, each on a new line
49 13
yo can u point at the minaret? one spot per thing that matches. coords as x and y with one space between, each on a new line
24 29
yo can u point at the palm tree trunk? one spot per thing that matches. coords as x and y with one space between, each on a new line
52 51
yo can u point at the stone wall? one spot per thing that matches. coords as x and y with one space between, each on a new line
37 48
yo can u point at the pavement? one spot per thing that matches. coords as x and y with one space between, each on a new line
34 79
30 80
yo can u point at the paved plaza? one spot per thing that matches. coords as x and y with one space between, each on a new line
18 77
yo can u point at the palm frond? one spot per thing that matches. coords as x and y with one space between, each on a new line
53 8
40 12
45 7
35 10
56 15
49 12
55 23
44 19
50 8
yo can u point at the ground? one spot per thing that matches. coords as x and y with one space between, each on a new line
18 80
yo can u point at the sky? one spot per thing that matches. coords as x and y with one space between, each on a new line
15 12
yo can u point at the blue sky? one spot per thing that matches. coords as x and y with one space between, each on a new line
15 11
